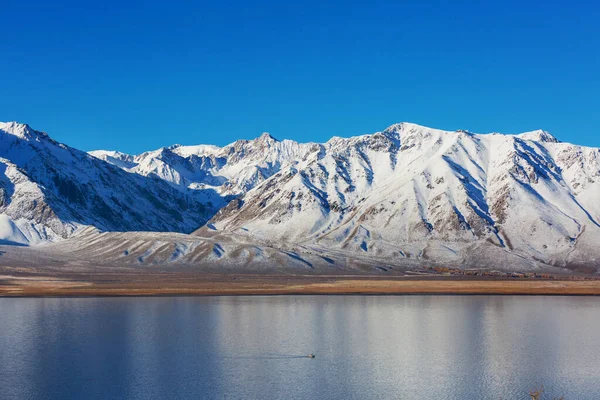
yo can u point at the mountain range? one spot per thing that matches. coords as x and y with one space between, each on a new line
408 195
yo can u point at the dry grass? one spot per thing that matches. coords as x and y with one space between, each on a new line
136 282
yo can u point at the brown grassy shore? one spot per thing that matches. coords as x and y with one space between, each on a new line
20 282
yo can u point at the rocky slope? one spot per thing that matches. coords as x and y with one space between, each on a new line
405 196
49 191
416 192
216 174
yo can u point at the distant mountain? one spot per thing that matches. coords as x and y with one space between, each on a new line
229 171
404 195
49 191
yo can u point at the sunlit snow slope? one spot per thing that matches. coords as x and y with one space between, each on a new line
412 191
407 193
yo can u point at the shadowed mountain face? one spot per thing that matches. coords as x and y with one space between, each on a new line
408 193
48 191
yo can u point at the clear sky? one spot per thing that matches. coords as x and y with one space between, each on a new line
141 75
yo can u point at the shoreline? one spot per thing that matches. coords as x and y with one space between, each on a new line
195 284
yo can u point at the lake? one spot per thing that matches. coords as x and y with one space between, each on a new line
366 347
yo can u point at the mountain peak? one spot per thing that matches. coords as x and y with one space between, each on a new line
539 136
394 128
409 127
266 137
20 130
410 133
399 127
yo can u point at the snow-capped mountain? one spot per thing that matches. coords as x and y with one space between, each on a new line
404 195
227 172
49 191
412 191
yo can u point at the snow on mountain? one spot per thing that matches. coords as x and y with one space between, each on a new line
199 150
216 174
538 136
412 191
409 194
121 160
49 191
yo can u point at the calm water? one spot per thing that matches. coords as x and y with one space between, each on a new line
397 347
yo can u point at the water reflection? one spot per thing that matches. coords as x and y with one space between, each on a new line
367 347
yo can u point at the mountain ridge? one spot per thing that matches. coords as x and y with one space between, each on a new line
49 191
406 194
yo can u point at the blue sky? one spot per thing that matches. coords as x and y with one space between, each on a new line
139 76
